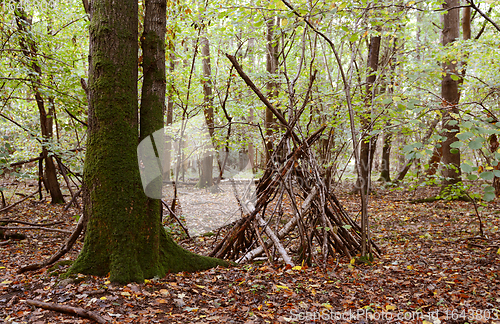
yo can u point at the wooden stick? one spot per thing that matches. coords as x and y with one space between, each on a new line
285 230
34 228
5 242
68 310
73 200
26 161
5 220
64 249
66 179
17 203
276 241
172 214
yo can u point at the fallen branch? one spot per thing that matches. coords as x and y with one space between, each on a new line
5 220
67 310
64 249
17 203
34 228
5 242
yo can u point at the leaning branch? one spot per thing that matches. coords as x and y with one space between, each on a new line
259 94
172 214
485 16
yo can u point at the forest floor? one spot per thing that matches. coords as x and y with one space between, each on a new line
434 269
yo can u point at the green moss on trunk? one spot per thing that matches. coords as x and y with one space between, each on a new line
125 237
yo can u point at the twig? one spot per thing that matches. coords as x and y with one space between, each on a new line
63 168
67 310
25 162
485 16
64 249
17 203
5 242
276 241
262 98
72 199
481 232
172 214
4 220
261 242
34 228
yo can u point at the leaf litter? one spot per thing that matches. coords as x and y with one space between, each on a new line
433 265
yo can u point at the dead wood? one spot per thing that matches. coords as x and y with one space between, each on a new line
5 242
73 199
173 215
67 310
5 220
18 202
321 220
34 228
64 249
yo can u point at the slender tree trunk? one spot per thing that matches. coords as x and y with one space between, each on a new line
272 86
494 145
206 178
450 95
125 237
367 147
251 147
29 49
170 115
385 174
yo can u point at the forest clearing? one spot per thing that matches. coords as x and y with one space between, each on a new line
164 161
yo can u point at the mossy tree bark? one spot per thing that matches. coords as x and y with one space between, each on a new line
125 237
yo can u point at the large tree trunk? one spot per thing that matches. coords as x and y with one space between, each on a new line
29 48
450 96
368 144
125 237
206 177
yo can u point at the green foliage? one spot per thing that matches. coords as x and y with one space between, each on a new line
406 94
